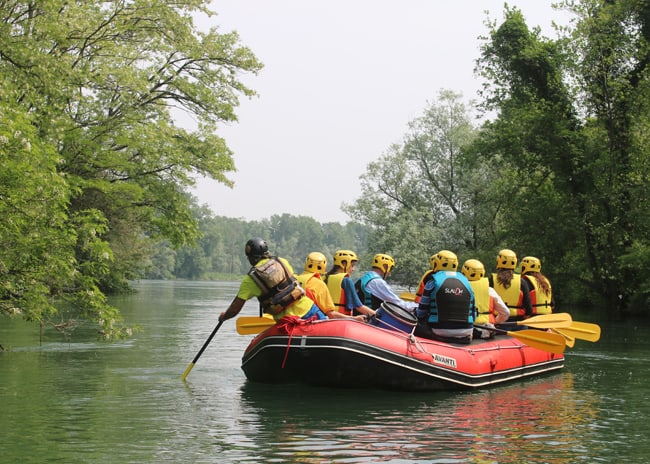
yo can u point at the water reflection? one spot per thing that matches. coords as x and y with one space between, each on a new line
507 424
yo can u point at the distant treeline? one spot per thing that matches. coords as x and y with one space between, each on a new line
220 250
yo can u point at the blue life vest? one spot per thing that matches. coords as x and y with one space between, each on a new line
364 295
448 299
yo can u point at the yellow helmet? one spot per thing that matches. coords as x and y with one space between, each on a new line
385 262
343 258
473 269
530 264
316 262
506 259
444 260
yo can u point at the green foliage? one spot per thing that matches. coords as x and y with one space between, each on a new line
36 250
428 193
570 117
95 168
94 162
558 170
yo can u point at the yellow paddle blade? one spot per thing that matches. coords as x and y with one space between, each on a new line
406 296
247 325
548 321
582 331
568 339
547 341
187 371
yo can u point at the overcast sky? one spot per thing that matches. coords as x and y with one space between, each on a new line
341 81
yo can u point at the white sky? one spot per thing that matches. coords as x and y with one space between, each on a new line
341 81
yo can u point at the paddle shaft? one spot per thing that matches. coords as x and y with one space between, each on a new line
568 339
198 355
545 341
542 321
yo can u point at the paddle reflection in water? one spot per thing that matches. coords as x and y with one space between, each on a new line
533 421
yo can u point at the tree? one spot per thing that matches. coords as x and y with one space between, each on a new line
570 125
98 86
422 194
610 46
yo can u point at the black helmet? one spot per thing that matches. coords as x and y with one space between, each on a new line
256 249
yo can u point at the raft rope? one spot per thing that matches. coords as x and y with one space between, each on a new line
418 345
288 325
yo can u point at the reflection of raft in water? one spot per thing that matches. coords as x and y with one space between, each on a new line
350 354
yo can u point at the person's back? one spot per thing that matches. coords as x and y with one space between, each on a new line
511 288
317 289
271 280
446 308
341 287
372 287
490 308
541 293
310 280
278 296
444 260
365 293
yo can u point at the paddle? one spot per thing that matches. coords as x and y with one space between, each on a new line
548 321
581 331
546 341
406 296
198 355
568 339
541 321
247 325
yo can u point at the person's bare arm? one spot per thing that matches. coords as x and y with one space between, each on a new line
234 308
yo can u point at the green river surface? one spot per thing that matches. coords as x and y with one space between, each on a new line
88 401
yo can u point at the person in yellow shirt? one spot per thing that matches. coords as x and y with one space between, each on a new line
316 289
271 279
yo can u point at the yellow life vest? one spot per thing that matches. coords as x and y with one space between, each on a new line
484 303
511 296
335 286
540 301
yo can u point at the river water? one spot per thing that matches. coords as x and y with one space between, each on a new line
87 401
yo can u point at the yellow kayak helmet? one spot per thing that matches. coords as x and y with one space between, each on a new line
343 259
385 262
506 259
473 269
444 260
316 262
530 264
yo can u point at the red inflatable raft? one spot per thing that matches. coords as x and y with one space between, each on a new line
350 354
